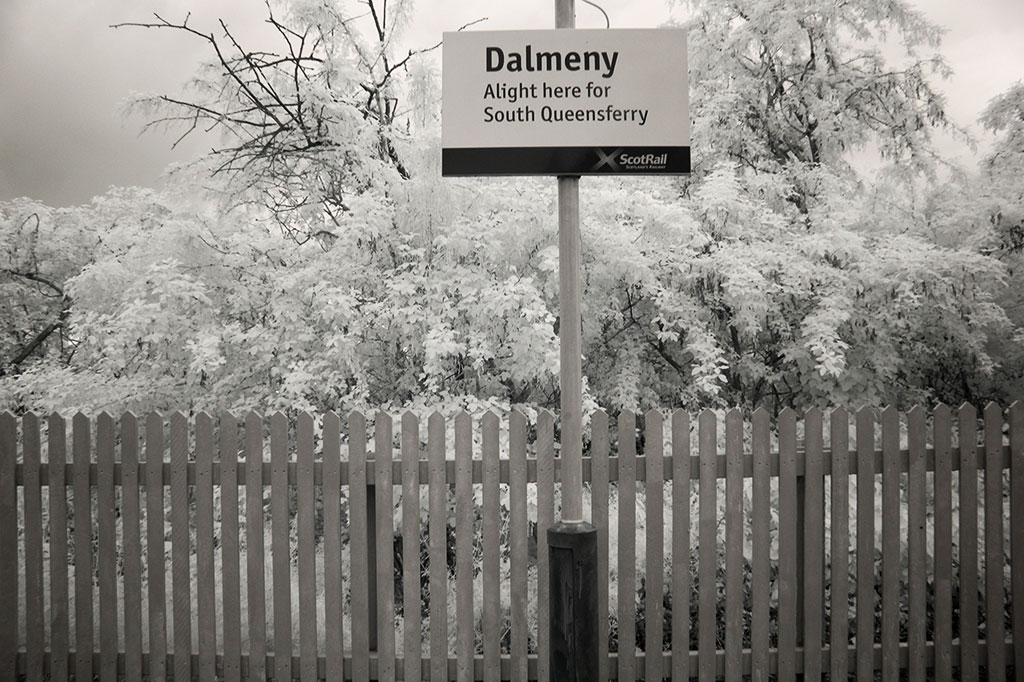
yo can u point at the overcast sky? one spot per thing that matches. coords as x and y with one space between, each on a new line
64 74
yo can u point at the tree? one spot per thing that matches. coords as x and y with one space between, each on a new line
336 269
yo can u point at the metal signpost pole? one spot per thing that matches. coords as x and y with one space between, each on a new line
572 543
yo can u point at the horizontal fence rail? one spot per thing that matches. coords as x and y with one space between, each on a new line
840 544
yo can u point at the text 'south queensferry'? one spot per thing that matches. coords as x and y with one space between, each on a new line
586 108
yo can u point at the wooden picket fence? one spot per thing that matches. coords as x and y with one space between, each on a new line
787 471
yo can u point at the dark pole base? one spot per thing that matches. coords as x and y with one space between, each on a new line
572 551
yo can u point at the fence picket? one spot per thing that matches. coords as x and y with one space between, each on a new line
358 547
438 550
760 585
627 546
230 567
545 519
706 544
132 544
491 528
599 447
307 547
254 569
839 571
654 488
56 437
788 530
206 599
518 559
994 597
181 579
943 487
383 458
412 643
464 513
680 547
865 623
733 545
32 497
891 533
814 543
967 417
8 546
916 568
334 634
1016 419
81 446
156 549
280 547
106 546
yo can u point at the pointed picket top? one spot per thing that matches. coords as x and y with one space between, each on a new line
707 422
9 434
916 418
545 418
599 416
865 411
178 415
128 415
30 420
204 420
154 421
80 418
305 420
516 416
356 425
839 413
966 409
491 419
463 419
681 423
435 420
813 435
331 424
410 419
105 427
787 413
653 419
733 416
761 419
941 409
383 417
993 410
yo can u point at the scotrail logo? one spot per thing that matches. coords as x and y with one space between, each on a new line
619 161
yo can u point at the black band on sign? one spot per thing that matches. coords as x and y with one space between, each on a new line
658 160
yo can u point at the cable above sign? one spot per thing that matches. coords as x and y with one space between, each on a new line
565 102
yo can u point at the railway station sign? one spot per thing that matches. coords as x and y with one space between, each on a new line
565 102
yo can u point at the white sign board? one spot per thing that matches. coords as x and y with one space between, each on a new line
565 102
